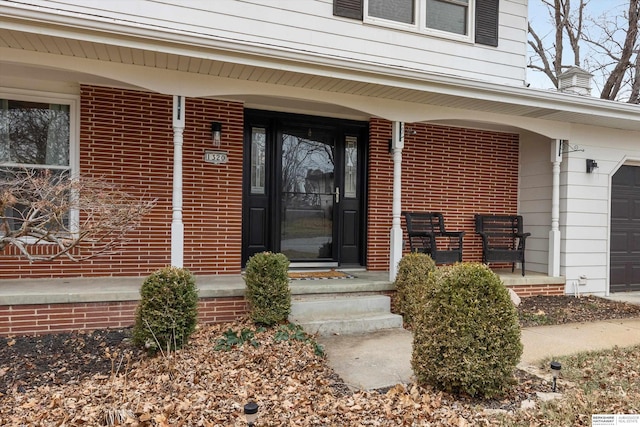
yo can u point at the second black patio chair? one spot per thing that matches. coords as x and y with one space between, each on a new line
502 239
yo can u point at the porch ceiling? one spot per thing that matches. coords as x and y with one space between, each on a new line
392 84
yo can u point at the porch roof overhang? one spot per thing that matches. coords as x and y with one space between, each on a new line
99 50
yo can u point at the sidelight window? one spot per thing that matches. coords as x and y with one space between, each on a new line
258 160
351 167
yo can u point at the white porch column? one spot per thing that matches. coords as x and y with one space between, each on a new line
395 253
554 234
177 227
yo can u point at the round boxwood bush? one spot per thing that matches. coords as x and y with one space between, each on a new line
167 313
467 337
411 281
268 294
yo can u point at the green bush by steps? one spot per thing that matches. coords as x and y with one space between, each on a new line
411 282
268 294
467 335
167 313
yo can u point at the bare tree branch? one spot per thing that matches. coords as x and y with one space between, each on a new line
539 49
613 83
559 44
562 19
634 97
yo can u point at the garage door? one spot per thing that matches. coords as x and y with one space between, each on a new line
625 230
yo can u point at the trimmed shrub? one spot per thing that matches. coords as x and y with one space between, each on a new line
268 294
411 282
467 336
167 313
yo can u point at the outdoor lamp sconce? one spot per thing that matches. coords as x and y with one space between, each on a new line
591 165
251 413
216 133
555 371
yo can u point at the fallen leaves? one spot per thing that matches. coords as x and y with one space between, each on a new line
97 378
199 386
602 382
553 310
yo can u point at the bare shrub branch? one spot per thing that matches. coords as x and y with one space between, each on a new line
79 218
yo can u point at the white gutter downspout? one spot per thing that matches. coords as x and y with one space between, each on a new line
554 234
177 227
395 253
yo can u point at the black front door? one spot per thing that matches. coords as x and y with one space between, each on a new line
304 186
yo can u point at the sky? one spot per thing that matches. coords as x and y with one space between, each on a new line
541 22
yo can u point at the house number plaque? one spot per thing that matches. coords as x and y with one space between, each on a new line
216 157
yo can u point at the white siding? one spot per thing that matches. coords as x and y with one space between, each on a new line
309 27
588 200
584 201
535 198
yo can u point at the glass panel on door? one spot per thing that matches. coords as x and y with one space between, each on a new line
308 194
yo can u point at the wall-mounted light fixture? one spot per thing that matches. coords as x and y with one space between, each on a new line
591 165
216 133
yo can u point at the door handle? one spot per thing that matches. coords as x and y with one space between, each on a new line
337 194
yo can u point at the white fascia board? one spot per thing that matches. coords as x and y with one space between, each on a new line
135 35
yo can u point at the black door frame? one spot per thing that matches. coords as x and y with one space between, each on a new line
260 213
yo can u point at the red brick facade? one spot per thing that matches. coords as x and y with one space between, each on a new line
126 138
51 318
544 289
456 171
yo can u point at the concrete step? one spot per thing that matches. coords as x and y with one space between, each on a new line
343 315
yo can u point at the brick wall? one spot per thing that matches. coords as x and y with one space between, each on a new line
543 289
126 138
53 318
456 171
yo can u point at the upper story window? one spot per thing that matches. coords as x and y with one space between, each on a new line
402 11
469 20
448 16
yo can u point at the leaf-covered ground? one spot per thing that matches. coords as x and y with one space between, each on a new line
554 310
598 382
98 378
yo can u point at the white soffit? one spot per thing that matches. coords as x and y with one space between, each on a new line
413 87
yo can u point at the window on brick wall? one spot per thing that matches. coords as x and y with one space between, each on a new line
35 135
467 20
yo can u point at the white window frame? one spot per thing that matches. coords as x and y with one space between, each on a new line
390 23
420 24
73 101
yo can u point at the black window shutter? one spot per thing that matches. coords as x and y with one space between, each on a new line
487 22
348 8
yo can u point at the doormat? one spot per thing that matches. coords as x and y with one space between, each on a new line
318 275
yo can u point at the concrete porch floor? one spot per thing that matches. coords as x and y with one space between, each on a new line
109 289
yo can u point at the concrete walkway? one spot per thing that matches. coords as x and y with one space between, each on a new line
383 359
371 361
560 340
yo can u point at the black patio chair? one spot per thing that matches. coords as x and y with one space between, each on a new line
427 234
503 239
